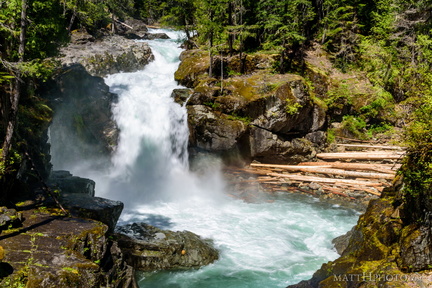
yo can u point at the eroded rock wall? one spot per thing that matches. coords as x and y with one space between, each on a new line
259 116
385 249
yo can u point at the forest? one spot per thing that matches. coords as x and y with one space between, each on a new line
388 41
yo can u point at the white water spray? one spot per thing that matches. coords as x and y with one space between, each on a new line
266 244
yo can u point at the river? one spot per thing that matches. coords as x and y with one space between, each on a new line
279 240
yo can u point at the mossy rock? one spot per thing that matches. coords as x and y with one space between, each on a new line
193 63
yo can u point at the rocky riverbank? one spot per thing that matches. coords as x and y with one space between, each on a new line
40 244
384 249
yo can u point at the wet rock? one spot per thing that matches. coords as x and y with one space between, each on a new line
280 121
9 218
66 183
416 252
194 64
83 127
153 36
135 29
268 147
291 109
148 248
52 251
96 208
341 243
213 132
112 54
181 95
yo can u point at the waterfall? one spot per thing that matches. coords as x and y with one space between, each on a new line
278 241
153 128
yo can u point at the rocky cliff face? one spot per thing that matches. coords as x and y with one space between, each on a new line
260 116
108 55
389 247
48 250
83 126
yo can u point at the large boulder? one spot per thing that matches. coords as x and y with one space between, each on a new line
101 209
52 251
264 117
269 147
112 54
65 182
213 132
148 248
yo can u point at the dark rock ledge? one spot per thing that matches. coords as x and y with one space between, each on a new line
112 54
148 248
40 247
385 249
49 250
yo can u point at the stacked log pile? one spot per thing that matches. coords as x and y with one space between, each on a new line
354 175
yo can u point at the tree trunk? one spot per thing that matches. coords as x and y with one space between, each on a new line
327 170
230 33
362 155
15 95
72 20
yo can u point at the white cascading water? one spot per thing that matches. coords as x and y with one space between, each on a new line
275 242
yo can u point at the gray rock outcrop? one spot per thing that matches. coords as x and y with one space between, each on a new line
101 209
53 251
67 183
268 118
112 54
148 248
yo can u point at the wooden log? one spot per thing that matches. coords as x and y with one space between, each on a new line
285 167
326 180
361 165
362 155
383 147
124 24
383 168
323 170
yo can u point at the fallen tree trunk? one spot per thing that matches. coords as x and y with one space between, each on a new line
389 168
324 170
362 155
326 180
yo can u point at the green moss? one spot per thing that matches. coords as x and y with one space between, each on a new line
247 120
331 137
338 96
292 106
193 62
245 87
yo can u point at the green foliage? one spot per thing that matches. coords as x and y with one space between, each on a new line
292 106
284 22
39 69
380 128
45 28
355 126
338 96
340 32
5 77
382 101
247 120
11 165
331 136
213 105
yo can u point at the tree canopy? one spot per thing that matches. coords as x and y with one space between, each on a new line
388 40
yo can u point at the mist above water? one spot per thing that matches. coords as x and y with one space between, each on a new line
277 241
